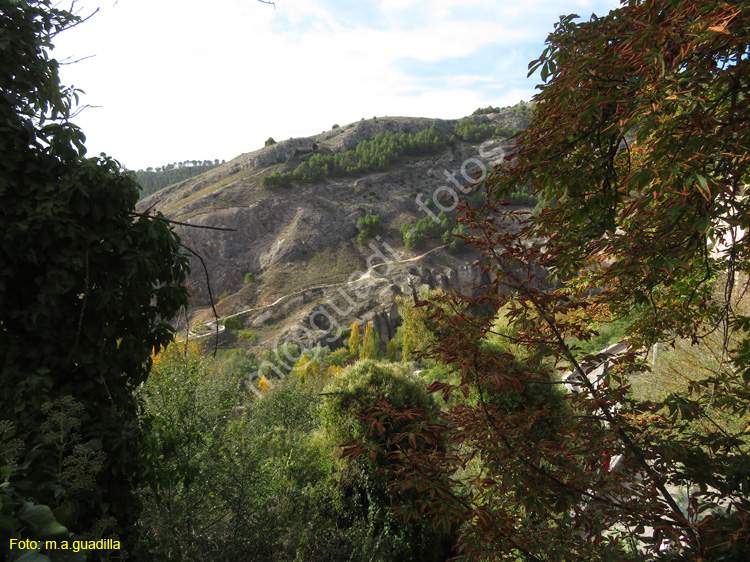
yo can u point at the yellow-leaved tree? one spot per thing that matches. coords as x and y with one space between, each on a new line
354 340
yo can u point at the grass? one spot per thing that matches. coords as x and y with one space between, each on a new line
333 264
241 175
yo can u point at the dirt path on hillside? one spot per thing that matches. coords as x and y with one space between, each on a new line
211 324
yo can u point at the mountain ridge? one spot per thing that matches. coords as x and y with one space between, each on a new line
295 239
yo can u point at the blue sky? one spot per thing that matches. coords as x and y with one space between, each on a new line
173 80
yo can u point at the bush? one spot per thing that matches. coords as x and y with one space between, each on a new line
376 154
232 323
277 179
269 141
338 358
249 278
486 110
193 448
381 536
252 337
450 238
414 235
368 226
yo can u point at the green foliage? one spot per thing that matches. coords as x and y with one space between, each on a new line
252 337
638 153
470 131
486 110
391 352
280 361
338 358
231 477
233 323
522 198
376 154
277 179
412 237
607 333
72 472
86 285
370 344
269 141
451 238
152 180
194 449
415 235
237 363
418 332
249 278
308 368
358 388
368 226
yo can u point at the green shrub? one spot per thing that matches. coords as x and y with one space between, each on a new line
380 536
414 235
504 132
450 238
237 363
522 198
193 447
269 141
277 179
376 154
252 337
361 386
486 110
368 226
338 358
249 278
232 323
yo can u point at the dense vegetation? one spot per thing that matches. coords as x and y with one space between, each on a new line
638 154
152 180
470 131
368 227
441 226
376 154
86 284
522 108
270 465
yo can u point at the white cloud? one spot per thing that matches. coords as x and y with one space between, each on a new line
182 79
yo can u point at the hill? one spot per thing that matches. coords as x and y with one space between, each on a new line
154 179
311 267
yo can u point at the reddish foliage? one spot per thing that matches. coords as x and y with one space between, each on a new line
639 153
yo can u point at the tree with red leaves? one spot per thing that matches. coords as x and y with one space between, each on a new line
639 152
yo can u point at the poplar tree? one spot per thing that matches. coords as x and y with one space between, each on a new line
354 341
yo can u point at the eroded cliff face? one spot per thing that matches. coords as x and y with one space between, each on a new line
311 274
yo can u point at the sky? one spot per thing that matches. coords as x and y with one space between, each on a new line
173 80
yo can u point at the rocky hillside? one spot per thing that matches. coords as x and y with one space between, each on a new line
308 272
